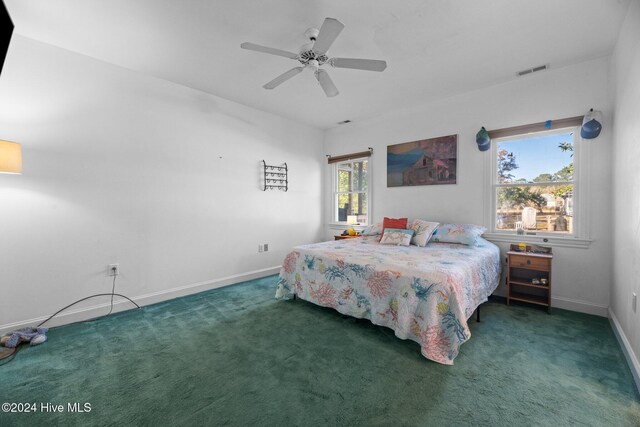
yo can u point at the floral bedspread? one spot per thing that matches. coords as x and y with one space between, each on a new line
425 294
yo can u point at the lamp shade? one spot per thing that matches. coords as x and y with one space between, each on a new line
10 157
352 219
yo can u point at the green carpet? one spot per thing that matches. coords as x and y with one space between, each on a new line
236 356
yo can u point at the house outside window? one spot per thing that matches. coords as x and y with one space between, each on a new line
535 183
351 191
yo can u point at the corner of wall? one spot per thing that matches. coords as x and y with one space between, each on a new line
627 349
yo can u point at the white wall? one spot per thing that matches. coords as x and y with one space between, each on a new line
581 276
625 73
123 167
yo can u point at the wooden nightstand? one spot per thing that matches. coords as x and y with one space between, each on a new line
523 268
341 237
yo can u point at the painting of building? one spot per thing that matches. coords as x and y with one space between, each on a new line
426 162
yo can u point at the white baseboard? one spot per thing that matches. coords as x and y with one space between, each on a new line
579 306
121 304
567 304
629 354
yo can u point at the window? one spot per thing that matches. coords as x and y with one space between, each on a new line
534 183
351 191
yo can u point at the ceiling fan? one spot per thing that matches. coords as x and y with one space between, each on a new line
313 55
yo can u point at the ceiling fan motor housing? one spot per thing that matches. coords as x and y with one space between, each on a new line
309 55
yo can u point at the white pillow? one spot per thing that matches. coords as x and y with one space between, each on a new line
373 230
396 236
423 230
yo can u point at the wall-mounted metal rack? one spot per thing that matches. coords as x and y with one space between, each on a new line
275 177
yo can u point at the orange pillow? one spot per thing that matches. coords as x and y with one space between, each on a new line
393 223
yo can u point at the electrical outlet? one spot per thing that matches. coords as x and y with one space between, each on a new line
113 270
260 248
634 301
266 247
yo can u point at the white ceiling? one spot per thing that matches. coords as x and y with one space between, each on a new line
434 48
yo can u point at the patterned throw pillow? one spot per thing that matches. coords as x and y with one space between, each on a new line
466 234
422 231
396 236
373 230
398 223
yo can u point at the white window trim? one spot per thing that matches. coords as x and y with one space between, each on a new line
581 158
333 224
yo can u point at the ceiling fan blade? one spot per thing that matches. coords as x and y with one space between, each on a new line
283 77
327 84
270 50
359 64
329 31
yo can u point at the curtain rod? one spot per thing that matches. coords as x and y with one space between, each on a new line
351 156
536 127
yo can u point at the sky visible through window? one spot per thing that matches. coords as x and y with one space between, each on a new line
535 156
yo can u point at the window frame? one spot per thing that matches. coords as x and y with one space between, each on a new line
579 236
336 193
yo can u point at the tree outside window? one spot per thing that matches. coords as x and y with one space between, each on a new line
352 187
534 183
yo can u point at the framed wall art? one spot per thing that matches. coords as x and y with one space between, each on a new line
431 161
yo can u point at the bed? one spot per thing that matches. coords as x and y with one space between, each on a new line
425 294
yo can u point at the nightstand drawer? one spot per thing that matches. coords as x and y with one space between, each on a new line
534 263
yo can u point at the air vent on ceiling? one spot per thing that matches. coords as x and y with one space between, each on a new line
344 122
532 70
